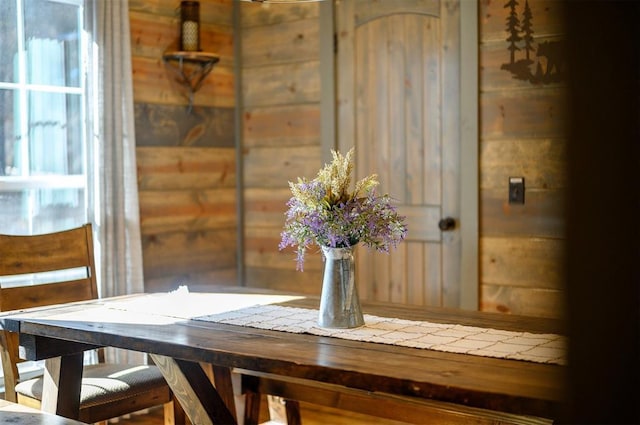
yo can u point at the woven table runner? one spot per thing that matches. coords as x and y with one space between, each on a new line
540 348
487 342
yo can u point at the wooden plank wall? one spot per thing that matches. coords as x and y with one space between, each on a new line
280 134
186 161
187 169
522 124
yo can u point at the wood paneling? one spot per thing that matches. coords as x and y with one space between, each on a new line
218 11
256 14
290 280
523 262
542 161
494 77
186 158
265 207
152 35
266 192
539 112
295 40
280 135
185 168
291 83
523 118
262 251
180 253
175 125
187 210
266 265
155 30
541 215
547 18
155 82
295 125
275 167
195 281
522 301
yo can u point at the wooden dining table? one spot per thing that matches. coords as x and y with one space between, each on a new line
181 345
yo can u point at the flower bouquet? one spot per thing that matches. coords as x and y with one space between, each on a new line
326 212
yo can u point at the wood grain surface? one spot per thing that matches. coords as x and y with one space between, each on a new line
495 384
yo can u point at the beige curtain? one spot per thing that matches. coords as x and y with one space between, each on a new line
117 219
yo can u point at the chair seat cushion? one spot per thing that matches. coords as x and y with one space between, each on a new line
105 382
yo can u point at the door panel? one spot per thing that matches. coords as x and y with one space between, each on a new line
397 86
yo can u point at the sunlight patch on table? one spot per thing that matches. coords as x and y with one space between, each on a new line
182 304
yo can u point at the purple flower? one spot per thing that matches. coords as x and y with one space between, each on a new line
371 220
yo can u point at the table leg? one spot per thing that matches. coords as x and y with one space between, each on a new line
251 390
224 386
226 383
195 392
63 372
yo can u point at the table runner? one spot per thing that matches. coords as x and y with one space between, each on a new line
261 313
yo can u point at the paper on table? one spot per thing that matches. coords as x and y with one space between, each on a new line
182 304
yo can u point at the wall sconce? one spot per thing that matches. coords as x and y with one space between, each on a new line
189 26
190 63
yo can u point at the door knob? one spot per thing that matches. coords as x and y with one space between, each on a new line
447 223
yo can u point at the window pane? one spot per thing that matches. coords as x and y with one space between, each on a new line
55 133
8 41
41 210
42 129
9 133
52 43
12 220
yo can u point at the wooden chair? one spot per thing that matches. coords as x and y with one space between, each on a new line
108 390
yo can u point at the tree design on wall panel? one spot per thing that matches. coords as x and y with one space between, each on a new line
548 64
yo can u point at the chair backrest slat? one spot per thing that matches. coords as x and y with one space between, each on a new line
21 297
42 253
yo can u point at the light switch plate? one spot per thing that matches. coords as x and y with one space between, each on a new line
516 190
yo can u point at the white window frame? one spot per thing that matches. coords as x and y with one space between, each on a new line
22 88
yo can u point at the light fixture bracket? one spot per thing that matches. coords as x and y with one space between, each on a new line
192 68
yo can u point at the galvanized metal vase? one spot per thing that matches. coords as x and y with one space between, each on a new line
339 302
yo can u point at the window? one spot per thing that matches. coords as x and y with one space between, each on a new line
44 122
43 116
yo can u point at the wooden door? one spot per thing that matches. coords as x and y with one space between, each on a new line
398 69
